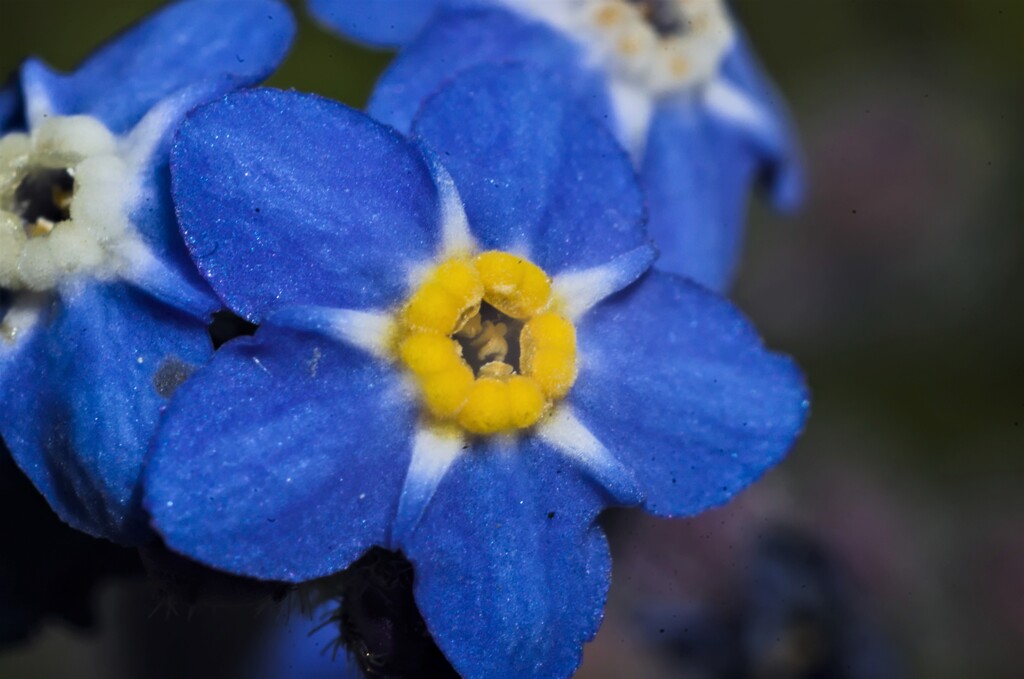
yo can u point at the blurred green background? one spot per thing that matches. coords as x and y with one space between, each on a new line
899 289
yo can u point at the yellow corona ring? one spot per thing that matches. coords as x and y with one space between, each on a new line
487 351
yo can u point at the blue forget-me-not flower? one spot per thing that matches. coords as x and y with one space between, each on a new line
101 310
462 356
675 78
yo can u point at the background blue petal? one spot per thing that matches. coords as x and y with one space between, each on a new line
511 571
12 107
294 648
456 40
676 383
239 40
287 198
82 400
49 572
385 23
42 91
533 169
283 459
697 173
781 162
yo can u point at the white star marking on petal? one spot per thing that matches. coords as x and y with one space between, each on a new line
579 291
432 456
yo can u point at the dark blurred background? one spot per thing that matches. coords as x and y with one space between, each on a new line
892 539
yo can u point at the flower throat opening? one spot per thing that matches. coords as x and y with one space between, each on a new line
65 194
662 46
490 342
664 16
43 199
489 352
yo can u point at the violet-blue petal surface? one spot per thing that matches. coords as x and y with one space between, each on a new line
781 162
535 172
459 39
511 572
383 23
82 400
677 384
283 459
177 282
41 90
288 198
187 42
697 172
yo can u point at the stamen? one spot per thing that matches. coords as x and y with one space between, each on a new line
490 344
43 199
496 369
490 337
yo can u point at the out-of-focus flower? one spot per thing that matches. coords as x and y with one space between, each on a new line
675 78
795 613
11 108
465 363
300 647
101 311
48 570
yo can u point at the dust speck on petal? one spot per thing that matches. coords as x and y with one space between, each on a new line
170 375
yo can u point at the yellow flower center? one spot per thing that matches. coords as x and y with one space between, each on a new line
487 351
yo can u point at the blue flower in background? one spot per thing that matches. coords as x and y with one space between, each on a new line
796 611
465 363
11 108
300 648
48 570
101 311
676 79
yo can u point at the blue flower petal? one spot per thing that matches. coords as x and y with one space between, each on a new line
776 143
81 401
173 278
187 42
377 23
42 89
676 383
511 571
283 459
12 108
697 172
462 38
287 198
535 172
